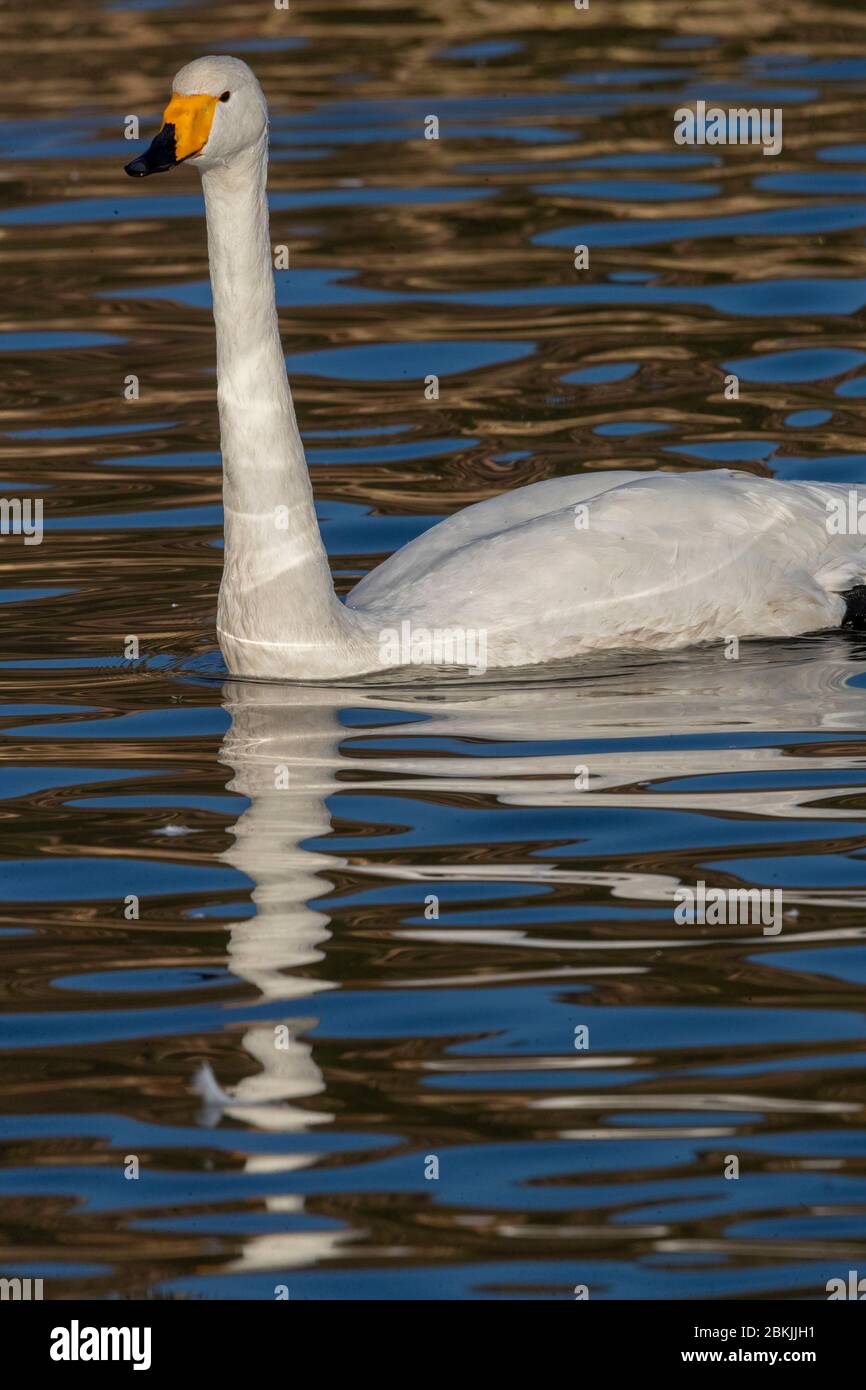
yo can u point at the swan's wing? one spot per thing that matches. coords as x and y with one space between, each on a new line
488 518
662 560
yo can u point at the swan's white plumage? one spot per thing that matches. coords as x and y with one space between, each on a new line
665 560
656 561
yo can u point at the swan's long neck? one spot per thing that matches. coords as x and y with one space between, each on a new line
276 586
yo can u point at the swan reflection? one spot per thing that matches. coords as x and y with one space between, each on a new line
636 726
289 752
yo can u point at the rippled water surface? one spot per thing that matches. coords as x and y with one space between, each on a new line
288 846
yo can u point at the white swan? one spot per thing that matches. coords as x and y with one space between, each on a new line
546 572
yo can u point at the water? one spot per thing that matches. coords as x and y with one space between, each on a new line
288 846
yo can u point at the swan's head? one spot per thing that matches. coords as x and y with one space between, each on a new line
217 110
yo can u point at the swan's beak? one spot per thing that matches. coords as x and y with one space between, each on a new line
185 130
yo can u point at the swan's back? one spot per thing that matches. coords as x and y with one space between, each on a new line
482 521
626 560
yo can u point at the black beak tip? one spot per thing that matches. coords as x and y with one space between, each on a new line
160 155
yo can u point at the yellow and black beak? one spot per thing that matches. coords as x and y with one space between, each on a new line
186 127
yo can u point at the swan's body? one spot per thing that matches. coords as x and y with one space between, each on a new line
649 560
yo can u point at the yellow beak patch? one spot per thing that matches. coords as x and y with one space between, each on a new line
192 118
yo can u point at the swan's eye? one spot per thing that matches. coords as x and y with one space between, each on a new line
225 96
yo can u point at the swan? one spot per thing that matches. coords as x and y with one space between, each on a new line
619 559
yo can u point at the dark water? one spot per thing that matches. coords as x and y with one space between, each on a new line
302 913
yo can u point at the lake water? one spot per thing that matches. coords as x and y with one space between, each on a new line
384 953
